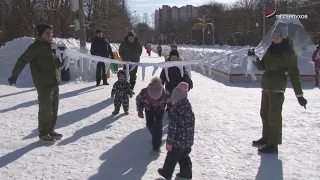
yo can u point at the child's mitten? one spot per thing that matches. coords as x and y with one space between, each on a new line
140 114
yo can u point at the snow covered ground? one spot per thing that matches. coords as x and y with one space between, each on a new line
98 146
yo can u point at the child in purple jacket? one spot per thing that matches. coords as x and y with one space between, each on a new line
153 100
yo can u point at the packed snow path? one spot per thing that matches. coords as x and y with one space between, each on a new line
98 146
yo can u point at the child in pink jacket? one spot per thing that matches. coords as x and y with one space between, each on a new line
316 60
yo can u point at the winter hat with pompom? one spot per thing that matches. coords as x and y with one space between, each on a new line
180 92
280 30
155 88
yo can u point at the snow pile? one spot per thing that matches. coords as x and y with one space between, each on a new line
13 49
233 60
228 59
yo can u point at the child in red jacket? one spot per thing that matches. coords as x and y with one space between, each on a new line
149 50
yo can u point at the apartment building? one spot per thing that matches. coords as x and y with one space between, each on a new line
175 14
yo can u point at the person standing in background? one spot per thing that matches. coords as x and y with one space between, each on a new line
159 49
174 46
130 50
101 47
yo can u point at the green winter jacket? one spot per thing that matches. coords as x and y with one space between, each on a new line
275 66
44 64
130 52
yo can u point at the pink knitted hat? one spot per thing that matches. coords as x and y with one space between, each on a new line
155 88
183 87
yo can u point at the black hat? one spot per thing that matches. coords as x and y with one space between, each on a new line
174 52
122 72
42 27
98 31
131 34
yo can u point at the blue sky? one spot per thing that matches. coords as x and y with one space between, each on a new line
149 6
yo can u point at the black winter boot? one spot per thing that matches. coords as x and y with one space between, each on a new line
271 149
259 142
161 173
115 112
56 136
179 177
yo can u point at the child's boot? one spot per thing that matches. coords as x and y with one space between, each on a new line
161 173
126 108
116 110
179 177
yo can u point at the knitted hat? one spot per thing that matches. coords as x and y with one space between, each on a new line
121 72
98 31
280 30
174 52
155 88
131 34
180 92
42 27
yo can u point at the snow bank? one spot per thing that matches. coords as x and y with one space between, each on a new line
233 59
228 59
13 49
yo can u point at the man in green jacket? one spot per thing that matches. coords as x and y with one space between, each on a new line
279 59
44 67
130 50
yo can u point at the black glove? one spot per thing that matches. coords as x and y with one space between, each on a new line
302 101
251 52
12 80
62 47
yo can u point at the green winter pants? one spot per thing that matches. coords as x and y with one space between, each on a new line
271 115
48 100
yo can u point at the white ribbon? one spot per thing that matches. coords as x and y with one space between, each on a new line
250 67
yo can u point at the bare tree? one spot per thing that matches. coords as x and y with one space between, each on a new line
146 18
135 19
153 20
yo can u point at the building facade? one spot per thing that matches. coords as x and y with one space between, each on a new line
175 14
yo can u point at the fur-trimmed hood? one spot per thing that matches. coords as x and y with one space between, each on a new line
135 39
180 58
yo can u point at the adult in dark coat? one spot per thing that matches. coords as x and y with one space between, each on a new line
101 47
175 74
130 50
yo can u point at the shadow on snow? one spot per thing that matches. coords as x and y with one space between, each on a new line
130 158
